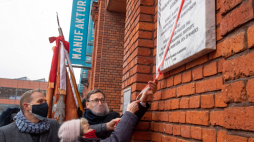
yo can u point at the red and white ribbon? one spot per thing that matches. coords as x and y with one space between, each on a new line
158 74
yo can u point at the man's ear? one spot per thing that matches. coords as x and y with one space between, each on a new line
87 105
25 106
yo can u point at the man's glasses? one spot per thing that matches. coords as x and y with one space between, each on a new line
97 101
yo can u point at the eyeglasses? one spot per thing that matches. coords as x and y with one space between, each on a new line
97 101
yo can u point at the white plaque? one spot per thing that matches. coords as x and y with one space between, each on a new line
126 98
194 34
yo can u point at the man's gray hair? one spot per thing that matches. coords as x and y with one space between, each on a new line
27 98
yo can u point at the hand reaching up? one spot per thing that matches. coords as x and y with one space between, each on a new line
133 107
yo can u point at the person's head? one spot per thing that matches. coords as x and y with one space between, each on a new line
96 102
73 129
84 103
32 104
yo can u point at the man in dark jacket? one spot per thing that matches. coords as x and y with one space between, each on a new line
7 115
31 124
99 117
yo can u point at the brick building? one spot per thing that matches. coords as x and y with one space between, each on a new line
208 99
12 89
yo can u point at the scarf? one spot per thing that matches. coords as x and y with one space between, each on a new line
25 126
90 134
94 119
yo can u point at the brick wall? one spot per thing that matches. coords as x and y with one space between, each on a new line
107 54
209 99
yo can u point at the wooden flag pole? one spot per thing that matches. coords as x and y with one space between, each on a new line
76 90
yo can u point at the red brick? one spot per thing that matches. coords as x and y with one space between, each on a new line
234 45
177 70
218 35
167 105
218 18
155 127
141 135
184 103
251 140
232 138
161 105
218 4
227 5
178 117
221 136
238 67
196 133
216 118
178 79
208 135
207 101
147 116
145 18
239 118
169 93
210 69
197 61
209 85
162 127
165 138
186 77
142 126
217 53
169 128
197 117
195 102
147 2
160 116
176 130
145 34
170 82
234 92
185 90
163 84
237 17
156 137
185 131
250 37
146 10
250 90
142 78
155 106
220 65
175 104
197 73
157 96
219 100
146 26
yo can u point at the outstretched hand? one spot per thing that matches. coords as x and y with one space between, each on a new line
112 124
133 107
152 87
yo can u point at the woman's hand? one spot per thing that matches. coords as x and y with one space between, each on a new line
133 107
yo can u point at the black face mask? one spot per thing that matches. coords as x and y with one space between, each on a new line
40 111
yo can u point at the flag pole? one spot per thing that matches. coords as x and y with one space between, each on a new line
71 73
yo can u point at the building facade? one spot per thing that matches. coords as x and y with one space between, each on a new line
12 89
207 99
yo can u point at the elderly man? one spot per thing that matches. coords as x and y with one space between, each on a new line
99 117
31 123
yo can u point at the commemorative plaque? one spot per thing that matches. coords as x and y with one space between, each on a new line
194 35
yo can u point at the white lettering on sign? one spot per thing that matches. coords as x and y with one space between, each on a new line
77 50
79 23
76 56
